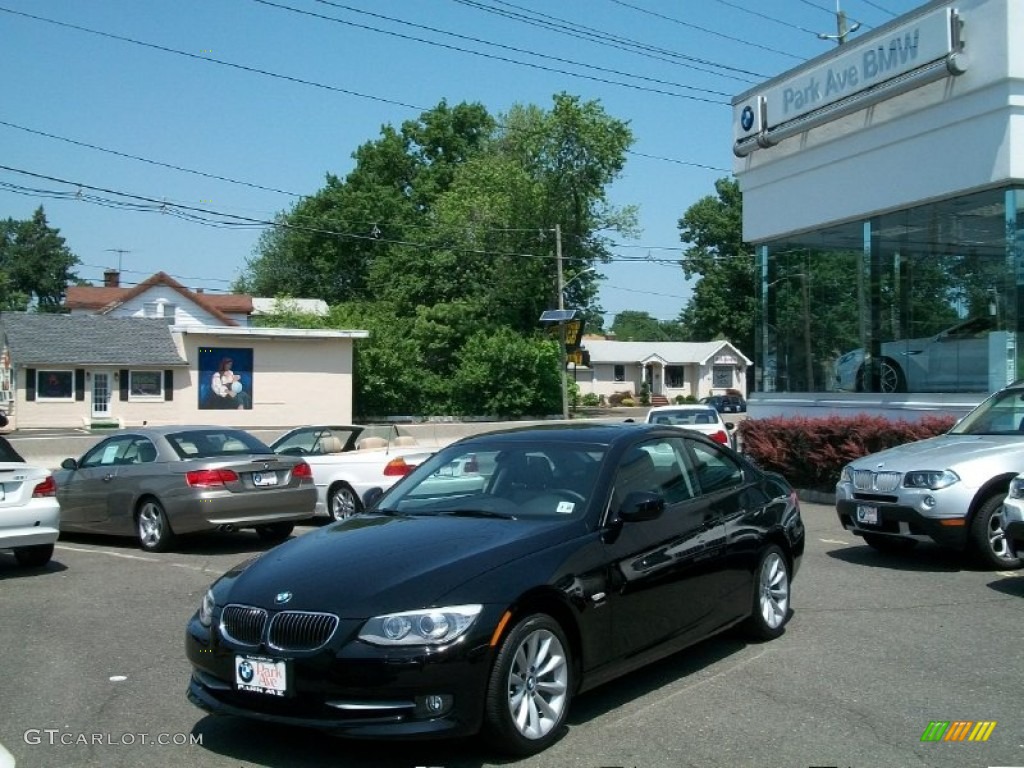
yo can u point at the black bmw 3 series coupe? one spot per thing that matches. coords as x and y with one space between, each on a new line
508 573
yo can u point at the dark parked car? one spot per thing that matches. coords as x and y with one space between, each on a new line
726 403
157 482
554 559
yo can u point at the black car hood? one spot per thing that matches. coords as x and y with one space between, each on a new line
369 564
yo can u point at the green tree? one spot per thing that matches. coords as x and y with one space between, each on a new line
633 325
35 264
723 304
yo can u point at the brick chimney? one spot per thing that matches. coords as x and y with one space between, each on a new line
111 278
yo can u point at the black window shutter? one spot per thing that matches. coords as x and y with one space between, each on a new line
30 383
123 381
79 384
169 384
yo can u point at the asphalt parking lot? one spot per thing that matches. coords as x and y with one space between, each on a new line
92 672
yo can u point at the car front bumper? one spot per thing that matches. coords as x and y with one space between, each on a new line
1013 525
903 521
357 690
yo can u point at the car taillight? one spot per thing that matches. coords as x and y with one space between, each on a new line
210 478
721 437
302 470
46 488
398 468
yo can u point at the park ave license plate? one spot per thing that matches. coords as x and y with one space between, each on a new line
264 479
867 514
261 674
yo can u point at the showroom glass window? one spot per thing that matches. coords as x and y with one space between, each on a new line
55 385
922 299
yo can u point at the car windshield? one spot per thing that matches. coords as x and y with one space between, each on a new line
508 480
207 443
1001 414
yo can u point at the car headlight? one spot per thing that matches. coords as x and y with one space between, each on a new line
430 626
206 609
846 476
1017 488
932 479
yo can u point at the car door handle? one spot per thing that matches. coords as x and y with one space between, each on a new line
108 478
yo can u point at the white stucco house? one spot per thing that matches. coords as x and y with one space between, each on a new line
670 368
159 353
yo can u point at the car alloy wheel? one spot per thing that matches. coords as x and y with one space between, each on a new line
988 540
155 534
530 687
343 502
771 595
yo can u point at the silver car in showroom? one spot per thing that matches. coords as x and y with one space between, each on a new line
948 489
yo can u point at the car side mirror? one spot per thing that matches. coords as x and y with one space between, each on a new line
372 496
69 464
641 505
730 426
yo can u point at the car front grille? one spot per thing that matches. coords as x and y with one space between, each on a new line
285 631
869 480
299 631
243 624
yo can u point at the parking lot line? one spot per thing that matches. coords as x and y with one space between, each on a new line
834 541
6 758
112 554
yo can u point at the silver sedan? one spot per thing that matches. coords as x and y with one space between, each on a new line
157 482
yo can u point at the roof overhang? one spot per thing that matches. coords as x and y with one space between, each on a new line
297 334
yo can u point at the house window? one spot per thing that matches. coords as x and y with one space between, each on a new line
620 373
145 385
55 385
721 376
151 309
675 377
169 310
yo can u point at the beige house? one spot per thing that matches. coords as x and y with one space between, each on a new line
160 353
670 368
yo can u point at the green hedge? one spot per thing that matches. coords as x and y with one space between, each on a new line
811 453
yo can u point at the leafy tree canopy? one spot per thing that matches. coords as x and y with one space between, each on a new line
35 265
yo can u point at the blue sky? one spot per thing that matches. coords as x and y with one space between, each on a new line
167 103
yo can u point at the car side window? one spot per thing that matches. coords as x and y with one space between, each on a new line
141 451
108 453
716 471
659 466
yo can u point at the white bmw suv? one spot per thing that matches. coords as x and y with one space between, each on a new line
948 489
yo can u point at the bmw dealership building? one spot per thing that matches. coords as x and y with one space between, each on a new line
883 191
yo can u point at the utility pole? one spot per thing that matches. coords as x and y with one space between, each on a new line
842 28
562 359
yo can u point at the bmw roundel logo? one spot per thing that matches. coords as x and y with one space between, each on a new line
245 672
282 597
747 118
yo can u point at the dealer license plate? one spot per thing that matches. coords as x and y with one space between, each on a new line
263 479
867 514
261 674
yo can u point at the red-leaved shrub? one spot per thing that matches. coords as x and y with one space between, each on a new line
811 453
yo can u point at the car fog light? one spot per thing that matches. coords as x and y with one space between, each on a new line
929 501
434 705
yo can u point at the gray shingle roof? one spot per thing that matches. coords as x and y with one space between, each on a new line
43 339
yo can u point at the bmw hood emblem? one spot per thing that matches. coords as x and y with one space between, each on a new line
282 597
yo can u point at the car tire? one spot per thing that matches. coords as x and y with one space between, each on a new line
342 502
986 542
274 533
771 609
530 687
152 527
888 544
35 556
891 378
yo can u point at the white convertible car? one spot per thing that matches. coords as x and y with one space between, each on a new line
350 459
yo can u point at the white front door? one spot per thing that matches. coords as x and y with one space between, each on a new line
100 394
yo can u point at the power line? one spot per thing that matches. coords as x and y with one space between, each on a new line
213 60
766 17
507 60
706 30
581 32
147 160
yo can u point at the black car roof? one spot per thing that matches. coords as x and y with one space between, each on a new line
600 433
